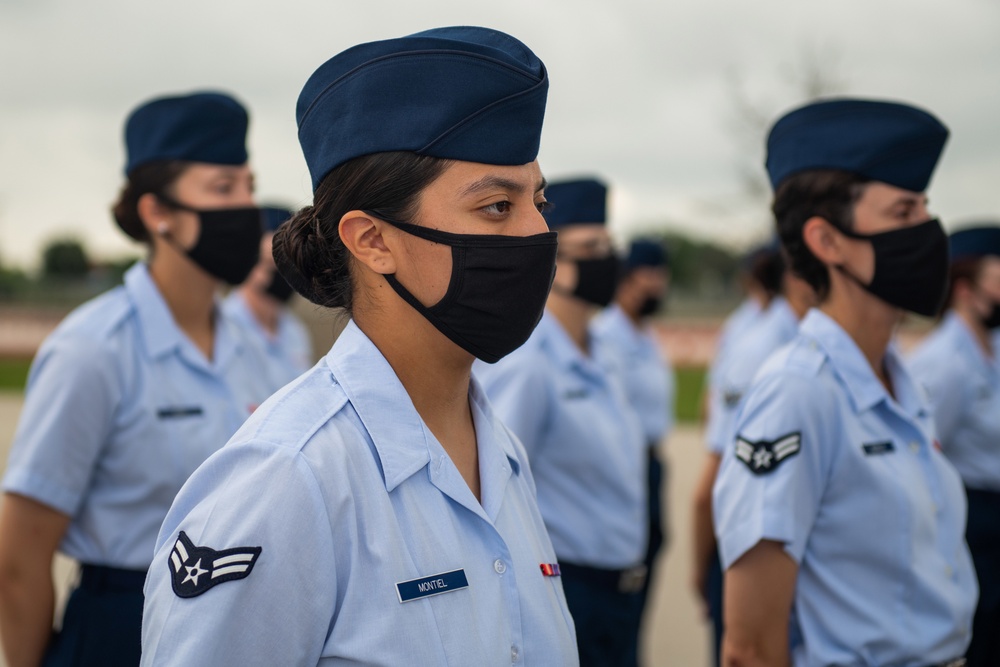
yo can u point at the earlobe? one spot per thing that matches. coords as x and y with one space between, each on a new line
362 236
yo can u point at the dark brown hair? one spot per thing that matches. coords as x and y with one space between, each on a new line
966 270
154 177
308 250
824 193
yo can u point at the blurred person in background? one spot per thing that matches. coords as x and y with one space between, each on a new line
133 390
774 326
261 305
561 393
625 329
840 523
957 365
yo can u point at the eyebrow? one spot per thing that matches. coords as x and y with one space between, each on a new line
500 183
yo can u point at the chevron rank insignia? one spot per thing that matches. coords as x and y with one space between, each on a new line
193 569
764 456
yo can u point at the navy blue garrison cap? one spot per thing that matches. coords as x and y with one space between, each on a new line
200 127
576 202
461 93
974 242
646 252
883 141
273 216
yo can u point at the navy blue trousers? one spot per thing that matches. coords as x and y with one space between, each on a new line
603 617
102 625
983 535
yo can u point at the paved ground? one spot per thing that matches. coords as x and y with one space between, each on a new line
674 635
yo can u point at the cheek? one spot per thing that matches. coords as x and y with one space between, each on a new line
426 271
186 229
566 276
861 261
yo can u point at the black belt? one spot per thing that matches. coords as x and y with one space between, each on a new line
101 578
630 580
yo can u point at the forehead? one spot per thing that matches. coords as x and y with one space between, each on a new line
206 171
585 233
880 194
472 178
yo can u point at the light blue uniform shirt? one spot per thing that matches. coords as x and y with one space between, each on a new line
289 351
347 493
585 444
732 329
772 328
964 388
120 408
849 479
646 375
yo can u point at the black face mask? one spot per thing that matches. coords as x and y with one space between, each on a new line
911 267
228 244
497 291
279 288
597 279
651 305
992 321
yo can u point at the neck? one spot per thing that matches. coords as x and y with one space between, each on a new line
190 296
434 371
573 314
631 311
800 306
868 320
979 331
263 308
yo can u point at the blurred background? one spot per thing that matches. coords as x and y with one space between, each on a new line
667 101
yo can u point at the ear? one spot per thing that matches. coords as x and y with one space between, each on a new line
362 236
156 217
824 241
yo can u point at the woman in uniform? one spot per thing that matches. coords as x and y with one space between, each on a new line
133 390
260 305
957 365
562 394
375 511
839 521
625 328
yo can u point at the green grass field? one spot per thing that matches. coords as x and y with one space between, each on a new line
690 385
13 374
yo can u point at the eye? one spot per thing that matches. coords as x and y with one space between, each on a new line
501 207
543 206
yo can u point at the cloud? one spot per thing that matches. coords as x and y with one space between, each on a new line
641 92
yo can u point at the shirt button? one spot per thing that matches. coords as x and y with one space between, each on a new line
514 653
499 566
915 446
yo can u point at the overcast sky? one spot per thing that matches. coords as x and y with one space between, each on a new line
642 92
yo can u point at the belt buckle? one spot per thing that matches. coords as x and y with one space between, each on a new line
632 580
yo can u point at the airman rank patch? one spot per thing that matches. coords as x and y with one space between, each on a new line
764 456
193 569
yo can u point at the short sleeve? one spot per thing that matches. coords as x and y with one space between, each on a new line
247 497
518 390
74 391
773 471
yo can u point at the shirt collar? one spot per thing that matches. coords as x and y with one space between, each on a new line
160 333
954 325
617 320
564 352
401 438
847 360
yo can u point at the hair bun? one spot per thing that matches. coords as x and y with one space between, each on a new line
298 248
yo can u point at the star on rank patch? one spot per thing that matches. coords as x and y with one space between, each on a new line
194 569
765 455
